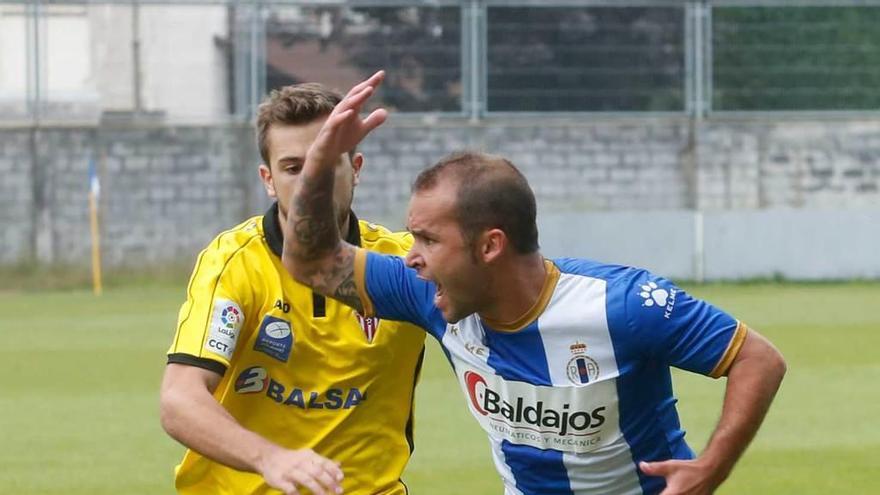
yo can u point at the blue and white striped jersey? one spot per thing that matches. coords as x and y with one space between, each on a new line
576 393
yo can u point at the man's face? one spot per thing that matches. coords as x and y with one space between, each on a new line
287 146
442 255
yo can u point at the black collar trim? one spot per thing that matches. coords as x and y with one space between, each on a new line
275 237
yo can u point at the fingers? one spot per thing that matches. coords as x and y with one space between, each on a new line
358 94
304 469
375 119
354 101
333 469
289 488
373 81
318 479
656 468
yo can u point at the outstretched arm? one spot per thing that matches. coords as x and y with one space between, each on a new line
752 382
313 251
191 415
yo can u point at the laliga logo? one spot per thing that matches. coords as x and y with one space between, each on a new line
472 379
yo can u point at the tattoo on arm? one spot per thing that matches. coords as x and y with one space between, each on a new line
346 293
335 277
314 224
320 259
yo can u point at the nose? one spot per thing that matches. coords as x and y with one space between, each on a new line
414 259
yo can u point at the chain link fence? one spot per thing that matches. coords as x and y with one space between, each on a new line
212 61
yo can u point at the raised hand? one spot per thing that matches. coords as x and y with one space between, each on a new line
287 470
344 128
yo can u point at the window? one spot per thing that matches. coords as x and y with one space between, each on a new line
420 47
585 59
796 58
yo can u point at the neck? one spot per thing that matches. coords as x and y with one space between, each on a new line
515 287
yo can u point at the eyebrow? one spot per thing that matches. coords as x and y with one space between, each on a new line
419 232
296 160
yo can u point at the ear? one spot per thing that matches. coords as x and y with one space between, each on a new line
266 179
492 245
357 162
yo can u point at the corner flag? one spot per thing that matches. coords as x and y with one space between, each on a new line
94 195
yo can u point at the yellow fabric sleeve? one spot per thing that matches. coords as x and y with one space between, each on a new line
213 316
360 280
736 342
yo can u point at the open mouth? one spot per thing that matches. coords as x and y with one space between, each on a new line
438 294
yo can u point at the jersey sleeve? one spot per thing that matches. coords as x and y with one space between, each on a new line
211 320
391 290
677 329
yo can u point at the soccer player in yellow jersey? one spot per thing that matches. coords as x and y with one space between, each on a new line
270 386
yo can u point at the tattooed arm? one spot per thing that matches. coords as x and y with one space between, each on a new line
313 251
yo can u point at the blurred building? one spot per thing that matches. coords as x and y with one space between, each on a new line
702 140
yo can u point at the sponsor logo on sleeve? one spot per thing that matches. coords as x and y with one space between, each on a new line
275 338
226 322
655 296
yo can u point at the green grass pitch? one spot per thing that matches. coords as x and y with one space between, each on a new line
79 379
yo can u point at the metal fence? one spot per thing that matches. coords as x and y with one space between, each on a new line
208 61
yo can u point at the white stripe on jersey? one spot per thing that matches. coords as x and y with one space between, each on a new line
503 469
609 471
576 315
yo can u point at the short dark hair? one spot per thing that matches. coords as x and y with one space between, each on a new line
491 193
293 105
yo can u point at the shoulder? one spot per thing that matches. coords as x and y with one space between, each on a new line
235 241
625 287
610 273
378 238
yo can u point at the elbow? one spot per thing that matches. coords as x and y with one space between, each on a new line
169 413
779 365
166 413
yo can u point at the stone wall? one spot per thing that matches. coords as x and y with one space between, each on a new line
167 190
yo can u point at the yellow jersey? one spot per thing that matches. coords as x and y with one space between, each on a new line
301 370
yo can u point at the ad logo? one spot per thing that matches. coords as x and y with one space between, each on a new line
226 322
476 387
275 338
654 295
252 380
542 417
257 380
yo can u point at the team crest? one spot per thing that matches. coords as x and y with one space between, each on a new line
368 325
581 369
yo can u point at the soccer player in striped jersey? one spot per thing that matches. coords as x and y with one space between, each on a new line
565 363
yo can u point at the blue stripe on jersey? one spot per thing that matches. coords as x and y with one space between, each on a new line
652 434
518 355
637 389
537 471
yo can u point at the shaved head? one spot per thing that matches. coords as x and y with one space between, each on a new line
491 193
